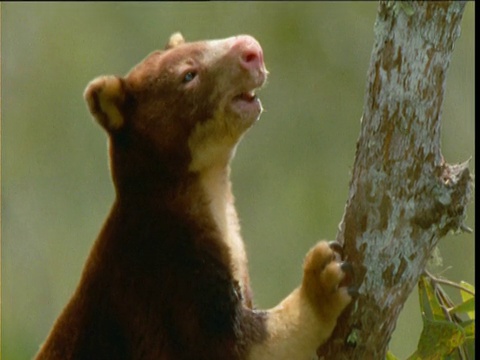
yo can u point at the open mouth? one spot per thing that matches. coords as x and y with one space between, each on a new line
247 104
245 101
248 96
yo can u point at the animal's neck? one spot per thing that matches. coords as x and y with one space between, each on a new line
216 184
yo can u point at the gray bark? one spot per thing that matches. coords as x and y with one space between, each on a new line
403 196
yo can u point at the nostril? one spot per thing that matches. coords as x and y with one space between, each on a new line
248 52
249 57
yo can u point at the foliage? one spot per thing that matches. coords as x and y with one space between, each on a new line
448 327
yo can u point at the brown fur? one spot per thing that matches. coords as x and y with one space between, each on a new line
167 277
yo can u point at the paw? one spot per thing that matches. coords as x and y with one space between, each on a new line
328 282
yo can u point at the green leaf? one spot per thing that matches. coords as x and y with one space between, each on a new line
469 328
468 287
465 307
429 304
467 296
390 356
438 339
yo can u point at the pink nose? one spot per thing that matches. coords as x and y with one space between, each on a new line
250 51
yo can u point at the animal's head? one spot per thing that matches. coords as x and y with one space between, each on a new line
184 107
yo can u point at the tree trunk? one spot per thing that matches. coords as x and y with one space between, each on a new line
403 196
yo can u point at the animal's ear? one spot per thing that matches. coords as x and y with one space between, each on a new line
105 97
175 40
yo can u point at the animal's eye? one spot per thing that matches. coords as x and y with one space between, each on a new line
189 76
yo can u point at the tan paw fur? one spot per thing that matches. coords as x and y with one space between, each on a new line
322 279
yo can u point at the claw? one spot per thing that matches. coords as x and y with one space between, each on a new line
336 246
346 267
353 291
350 276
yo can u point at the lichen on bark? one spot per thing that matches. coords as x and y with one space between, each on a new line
403 196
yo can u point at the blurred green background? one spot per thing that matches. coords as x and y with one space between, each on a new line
291 172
